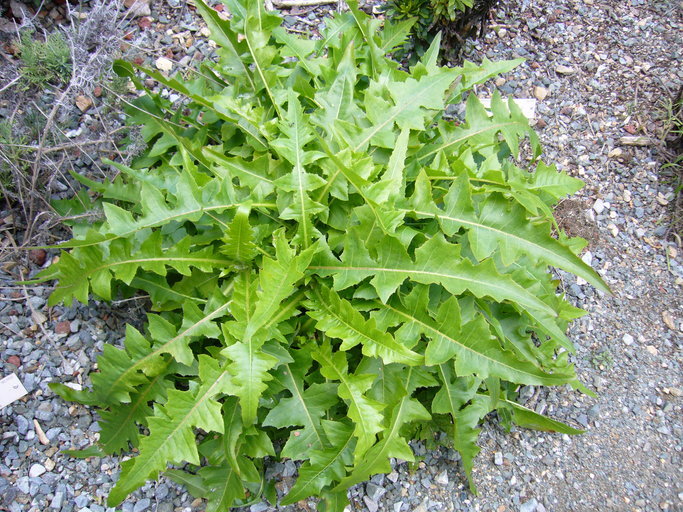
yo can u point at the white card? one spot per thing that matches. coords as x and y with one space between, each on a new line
11 389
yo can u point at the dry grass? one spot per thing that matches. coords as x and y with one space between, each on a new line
34 150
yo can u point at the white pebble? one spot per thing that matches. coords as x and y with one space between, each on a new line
599 206
163 64
36 470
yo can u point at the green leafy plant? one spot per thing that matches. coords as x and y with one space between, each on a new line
12 157
421 12
454 20
601 359
46 62
334 268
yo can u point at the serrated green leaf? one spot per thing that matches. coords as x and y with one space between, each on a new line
377 458
499 224
325 466
239 241
304 408
172 439
476 351
337 318
365 413
445 264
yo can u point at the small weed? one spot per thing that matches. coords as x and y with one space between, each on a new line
12 157
602 359
44 63
671 136
456 20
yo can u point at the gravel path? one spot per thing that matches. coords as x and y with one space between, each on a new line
602 68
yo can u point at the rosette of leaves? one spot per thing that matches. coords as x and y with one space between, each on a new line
334 269
455 20
422 14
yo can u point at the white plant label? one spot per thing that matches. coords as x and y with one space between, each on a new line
11 389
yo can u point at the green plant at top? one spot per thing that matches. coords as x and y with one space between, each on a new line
44 62
450 18
334 268
13 159
449 9
420 11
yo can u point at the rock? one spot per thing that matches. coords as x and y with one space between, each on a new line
161 492
23 484
675 392
594 412
164 64
57 501
36 470
628 339
540 93
38 317
564 70
72 134
529 506
599 206
261 506
63 327
651 350
18 9
583 420
372 506
142 505
631 140
498 459
81 500
137 7
37 256
374 492
442 478
22 424
14 360
83 103
289 469
615 153
668 320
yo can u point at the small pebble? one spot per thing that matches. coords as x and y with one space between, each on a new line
36 470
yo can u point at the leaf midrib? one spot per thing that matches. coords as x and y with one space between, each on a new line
136 405
302 401
496 127
371 340
205 396
173 217
435 330
160 349
489 284
399 109
505 234
310 481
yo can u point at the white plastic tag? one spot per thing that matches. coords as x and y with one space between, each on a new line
11 389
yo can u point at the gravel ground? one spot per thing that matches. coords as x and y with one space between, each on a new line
600 69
